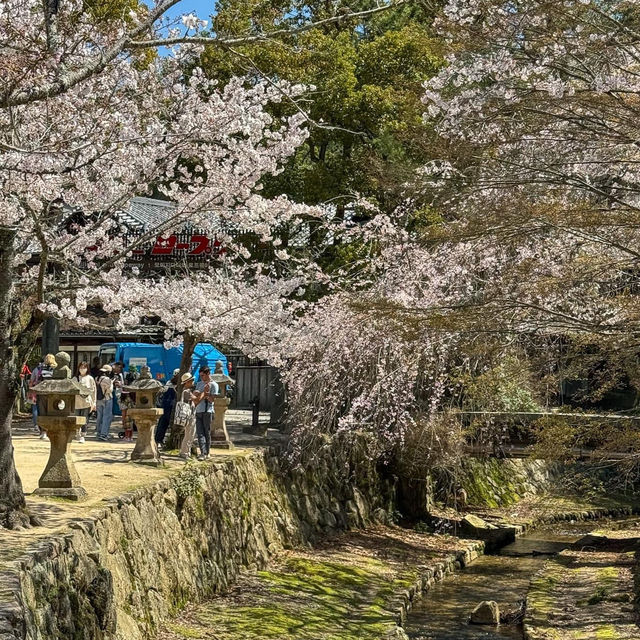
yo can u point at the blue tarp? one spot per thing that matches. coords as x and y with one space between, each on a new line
161 361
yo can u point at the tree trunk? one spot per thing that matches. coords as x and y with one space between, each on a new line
12 503
188 346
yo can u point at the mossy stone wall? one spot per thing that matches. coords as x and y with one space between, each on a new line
121 572
500 482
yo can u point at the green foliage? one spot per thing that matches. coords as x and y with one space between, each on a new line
106 11
367 78
604 372
423 219
598 596
423 527
554 438
189 482
508 386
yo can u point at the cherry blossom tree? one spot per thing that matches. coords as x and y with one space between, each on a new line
538 104
537 107
533 234
86 122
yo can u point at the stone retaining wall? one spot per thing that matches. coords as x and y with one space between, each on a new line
119 573
499 482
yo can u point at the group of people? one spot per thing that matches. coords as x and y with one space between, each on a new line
197 404
104 384
106 387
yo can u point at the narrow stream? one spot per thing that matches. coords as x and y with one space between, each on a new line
443 613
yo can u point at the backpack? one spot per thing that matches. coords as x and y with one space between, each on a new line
99 391
46 373
36 375
184 413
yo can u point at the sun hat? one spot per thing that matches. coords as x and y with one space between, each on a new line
50 360
106 368
186 377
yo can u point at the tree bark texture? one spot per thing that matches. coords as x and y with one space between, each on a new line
12 503
188 346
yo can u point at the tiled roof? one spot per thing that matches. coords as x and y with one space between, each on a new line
147 213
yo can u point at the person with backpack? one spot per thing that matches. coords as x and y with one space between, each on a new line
95 367
25 376
84 406
44 371
104 403
185 416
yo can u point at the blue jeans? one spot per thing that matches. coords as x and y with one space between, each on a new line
163 425
34 413
104 411
203 431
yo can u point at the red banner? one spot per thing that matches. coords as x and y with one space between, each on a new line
183 244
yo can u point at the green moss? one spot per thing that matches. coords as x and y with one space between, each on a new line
185 632
180 600
607 578
608 575
198 506
607 632
489 483
344 599
540 599
598 596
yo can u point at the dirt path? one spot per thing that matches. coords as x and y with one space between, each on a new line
584 595
105 471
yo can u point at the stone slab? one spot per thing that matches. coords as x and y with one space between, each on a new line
71 493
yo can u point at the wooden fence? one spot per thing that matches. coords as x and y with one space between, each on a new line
252 381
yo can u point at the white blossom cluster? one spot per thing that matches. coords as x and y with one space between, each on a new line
85 125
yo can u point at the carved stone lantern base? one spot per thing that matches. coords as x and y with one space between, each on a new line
146 449
221 441
70 493
219 434
60 478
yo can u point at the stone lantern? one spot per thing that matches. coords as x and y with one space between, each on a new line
56 415
219 435
145 414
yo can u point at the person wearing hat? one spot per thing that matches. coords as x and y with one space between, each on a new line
190 427
104 403
203 397
167 404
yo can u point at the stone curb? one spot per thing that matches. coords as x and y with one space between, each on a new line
403 603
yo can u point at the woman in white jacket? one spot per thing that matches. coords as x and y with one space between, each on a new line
85 405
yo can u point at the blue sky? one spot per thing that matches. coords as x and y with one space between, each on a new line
202 8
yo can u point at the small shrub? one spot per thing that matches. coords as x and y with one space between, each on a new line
188 483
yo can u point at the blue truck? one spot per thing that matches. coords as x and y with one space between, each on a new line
160 360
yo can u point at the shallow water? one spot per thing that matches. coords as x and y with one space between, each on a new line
443 613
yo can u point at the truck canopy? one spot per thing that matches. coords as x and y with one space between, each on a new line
161 361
